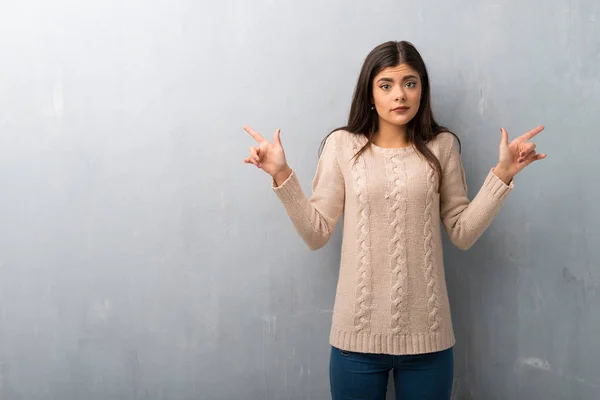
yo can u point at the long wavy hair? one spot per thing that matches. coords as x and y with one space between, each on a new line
363 120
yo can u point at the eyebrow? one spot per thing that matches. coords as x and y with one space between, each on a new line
391 80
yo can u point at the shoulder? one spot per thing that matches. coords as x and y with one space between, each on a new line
343 136
444 140
444 143
342 140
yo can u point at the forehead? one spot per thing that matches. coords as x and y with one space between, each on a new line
397 72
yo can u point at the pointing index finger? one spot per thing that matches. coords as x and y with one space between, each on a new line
529 135
254 134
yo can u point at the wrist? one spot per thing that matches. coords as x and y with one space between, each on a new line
502 173
281 176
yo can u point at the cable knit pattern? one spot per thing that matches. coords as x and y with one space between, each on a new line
398 254
363 245
391 295
432 291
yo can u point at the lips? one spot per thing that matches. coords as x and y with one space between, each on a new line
402 108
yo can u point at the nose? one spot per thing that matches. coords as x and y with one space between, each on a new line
400 94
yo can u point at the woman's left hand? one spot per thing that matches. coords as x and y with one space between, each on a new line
516 155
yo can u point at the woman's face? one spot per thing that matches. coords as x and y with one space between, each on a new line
397 94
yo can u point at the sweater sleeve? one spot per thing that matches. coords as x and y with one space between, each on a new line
315 218
464 220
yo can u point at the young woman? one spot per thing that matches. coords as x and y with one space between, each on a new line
394 174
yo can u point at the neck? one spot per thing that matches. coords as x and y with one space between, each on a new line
390 135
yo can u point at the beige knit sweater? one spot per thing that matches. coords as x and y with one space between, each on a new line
391 295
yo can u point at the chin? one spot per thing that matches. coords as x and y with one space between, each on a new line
400 120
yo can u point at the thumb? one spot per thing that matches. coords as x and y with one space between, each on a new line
504 140
278 137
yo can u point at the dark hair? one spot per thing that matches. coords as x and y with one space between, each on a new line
365 121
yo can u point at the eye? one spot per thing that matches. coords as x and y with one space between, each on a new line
411 84
385 86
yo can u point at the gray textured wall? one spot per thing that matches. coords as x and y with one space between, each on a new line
140 259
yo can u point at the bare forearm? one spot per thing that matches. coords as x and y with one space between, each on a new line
282 176
503 174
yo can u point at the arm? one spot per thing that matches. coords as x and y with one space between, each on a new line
464 220
315 218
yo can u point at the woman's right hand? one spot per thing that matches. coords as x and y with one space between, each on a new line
268 156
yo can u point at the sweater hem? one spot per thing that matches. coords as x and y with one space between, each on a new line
406 344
